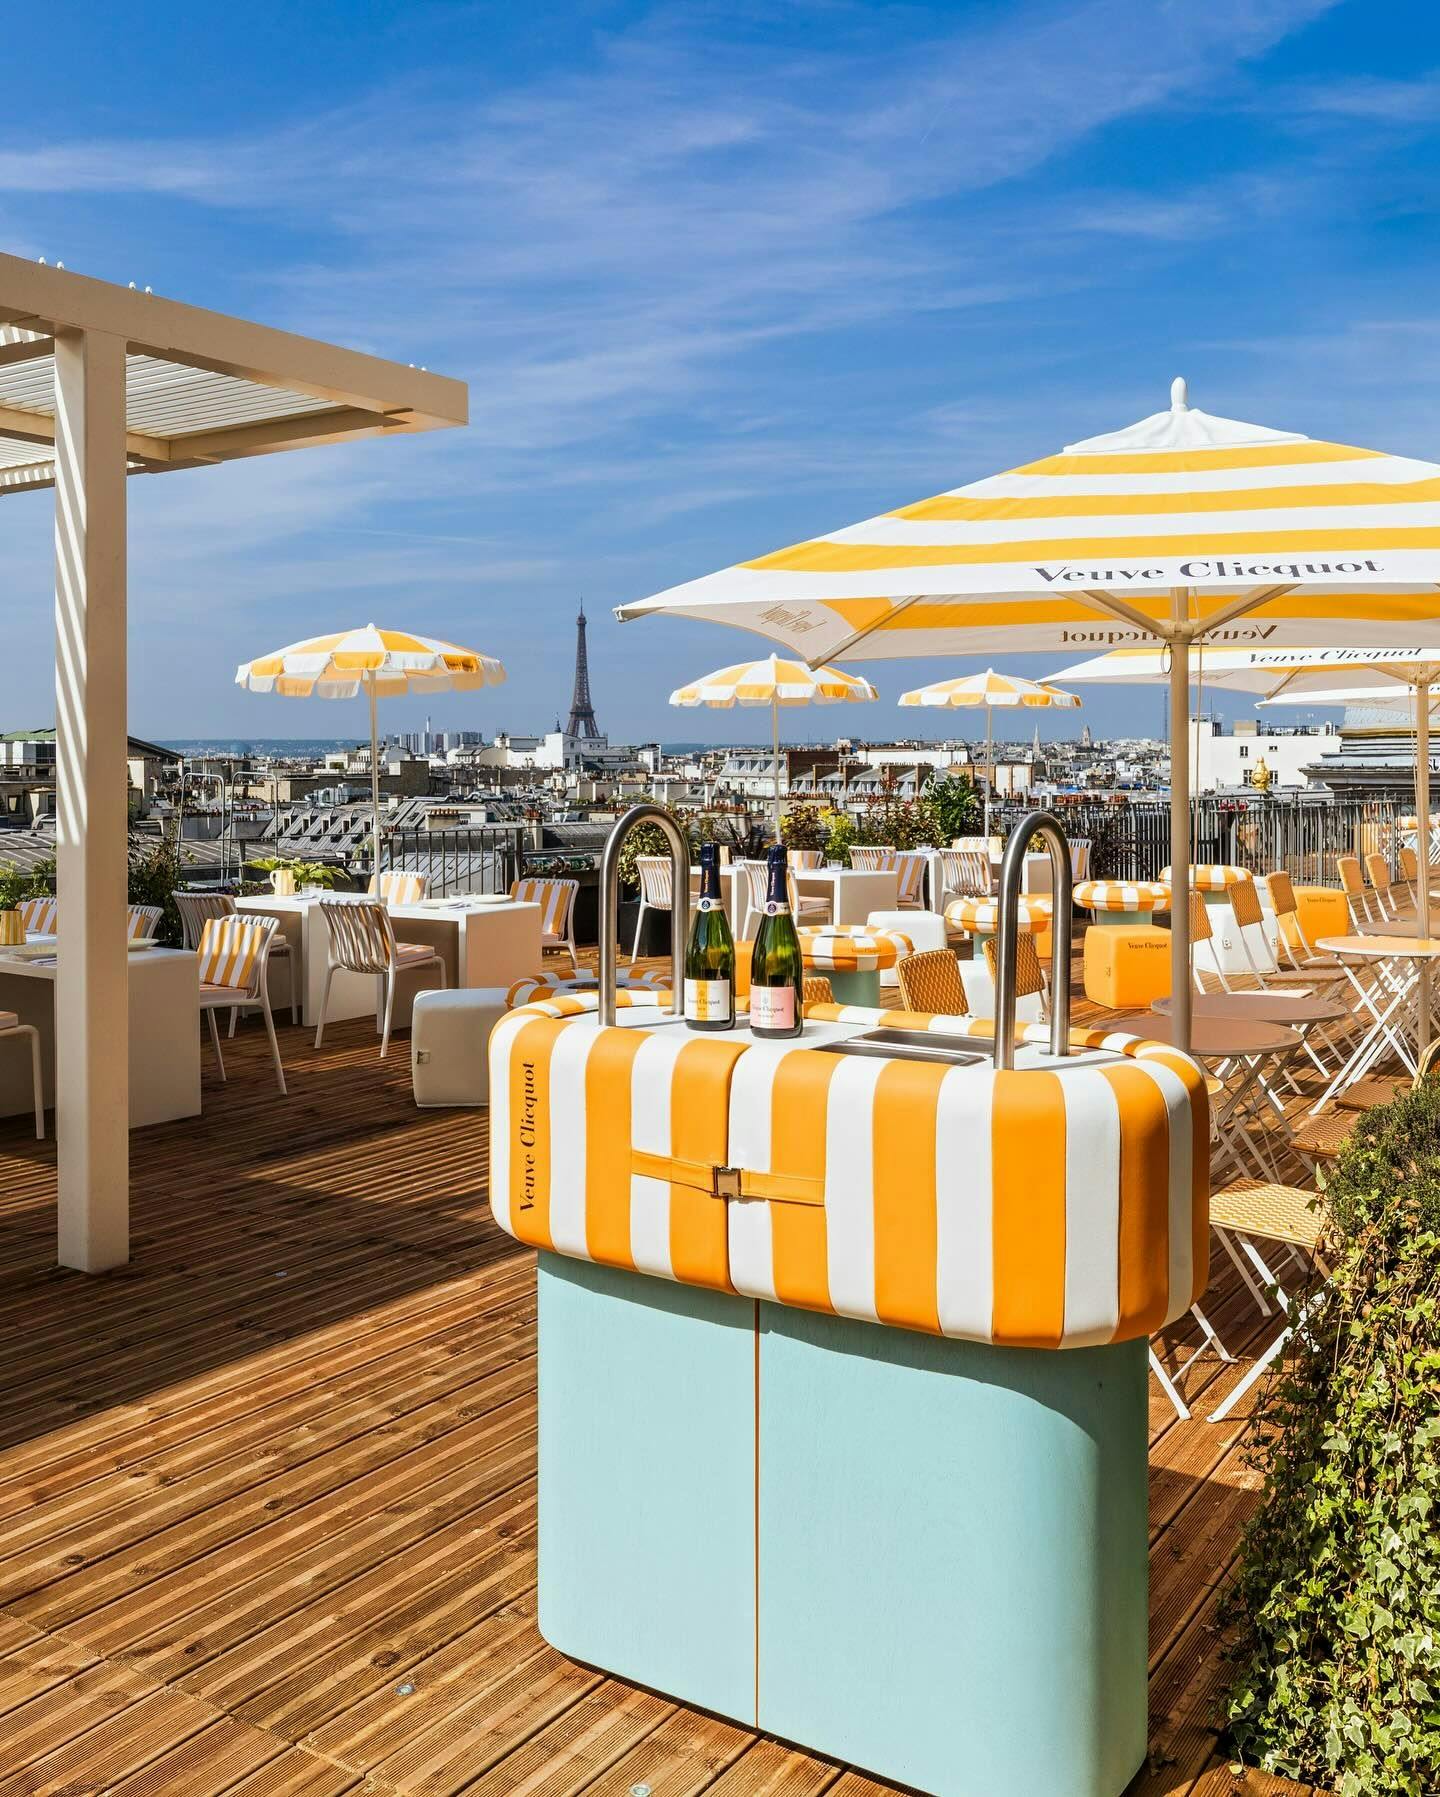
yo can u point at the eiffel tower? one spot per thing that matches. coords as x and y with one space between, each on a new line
582 712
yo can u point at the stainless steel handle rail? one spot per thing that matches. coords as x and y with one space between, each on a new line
610 901
1046 824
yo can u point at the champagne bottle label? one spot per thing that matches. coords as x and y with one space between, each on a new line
773 907
708 904
708 1001
772 1007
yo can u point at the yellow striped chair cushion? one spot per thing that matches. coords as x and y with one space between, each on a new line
1122 895
1028 1208
873 861
850 948
41 916
980 914
1212 876
555 899
142 920
229 950
400 887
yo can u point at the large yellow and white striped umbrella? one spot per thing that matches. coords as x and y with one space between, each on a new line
1184 526
380 663
990 689
773 681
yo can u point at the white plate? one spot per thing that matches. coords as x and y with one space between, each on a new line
136 943
30 951
485 898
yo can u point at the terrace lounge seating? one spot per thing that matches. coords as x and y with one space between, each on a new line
930 982
398 887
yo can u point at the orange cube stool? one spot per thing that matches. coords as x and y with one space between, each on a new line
1322 911
1127 967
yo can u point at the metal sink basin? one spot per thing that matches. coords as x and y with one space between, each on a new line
904 1045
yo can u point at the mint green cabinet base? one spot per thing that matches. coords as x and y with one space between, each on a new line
859 988
950 1564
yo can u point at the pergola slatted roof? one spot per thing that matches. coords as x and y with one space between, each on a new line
98 382
186 404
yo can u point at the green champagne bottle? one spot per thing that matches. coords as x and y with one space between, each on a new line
710 954
776 971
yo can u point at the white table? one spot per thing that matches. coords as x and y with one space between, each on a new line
853 894
163 1034
481 944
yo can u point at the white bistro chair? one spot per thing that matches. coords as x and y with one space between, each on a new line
556 899
657 891
964 873
362 940
233 952
197 908
141 920
12 1030
757 880
399 887
873 860
40 916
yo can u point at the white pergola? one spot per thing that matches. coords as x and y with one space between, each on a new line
98 382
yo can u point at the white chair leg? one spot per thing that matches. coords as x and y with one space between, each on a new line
38 1082
324 1005
639 926
274 1045
570 950
1167 1385
389 1007
215 1039
234 1019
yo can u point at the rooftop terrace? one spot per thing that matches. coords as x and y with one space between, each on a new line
269 1491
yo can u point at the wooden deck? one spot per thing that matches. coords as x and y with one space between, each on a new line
268 1494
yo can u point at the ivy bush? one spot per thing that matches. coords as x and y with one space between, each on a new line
1335 1610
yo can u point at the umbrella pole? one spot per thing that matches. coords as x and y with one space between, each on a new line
775 751
989 765
1422 840
374 779
1180 832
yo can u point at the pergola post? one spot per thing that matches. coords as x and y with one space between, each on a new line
92 1075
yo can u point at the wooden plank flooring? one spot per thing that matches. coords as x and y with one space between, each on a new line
267 1495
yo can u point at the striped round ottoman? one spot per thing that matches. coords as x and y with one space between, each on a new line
981 916
1122 901
851 956
1212 876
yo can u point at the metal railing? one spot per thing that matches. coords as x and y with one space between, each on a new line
486 858
1303 834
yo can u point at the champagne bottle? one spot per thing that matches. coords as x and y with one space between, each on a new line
776 971
710 954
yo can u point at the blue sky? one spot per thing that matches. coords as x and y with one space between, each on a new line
721 277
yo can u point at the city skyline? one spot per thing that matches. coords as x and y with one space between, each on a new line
938 254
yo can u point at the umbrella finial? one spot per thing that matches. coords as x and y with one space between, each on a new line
1179 395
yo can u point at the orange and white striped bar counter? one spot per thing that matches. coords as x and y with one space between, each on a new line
842 1366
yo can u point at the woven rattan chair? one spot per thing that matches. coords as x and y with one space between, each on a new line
931 983
1352 882
1029 974
817 990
